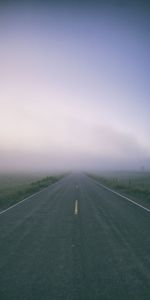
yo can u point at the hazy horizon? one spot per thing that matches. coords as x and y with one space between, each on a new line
74 87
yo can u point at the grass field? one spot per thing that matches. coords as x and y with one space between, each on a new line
14 188
135 184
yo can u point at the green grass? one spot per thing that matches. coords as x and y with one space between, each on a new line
14 188
135 184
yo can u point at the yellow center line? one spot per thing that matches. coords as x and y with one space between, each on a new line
76 208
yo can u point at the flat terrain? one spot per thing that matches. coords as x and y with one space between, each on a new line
15 187
75 240
134 184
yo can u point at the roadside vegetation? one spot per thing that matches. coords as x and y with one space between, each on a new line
135 184
14 188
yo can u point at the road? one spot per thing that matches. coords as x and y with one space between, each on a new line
75 240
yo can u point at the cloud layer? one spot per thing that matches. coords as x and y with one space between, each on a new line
74 89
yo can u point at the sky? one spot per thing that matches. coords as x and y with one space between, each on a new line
74 86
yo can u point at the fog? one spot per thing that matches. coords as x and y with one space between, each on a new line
74 87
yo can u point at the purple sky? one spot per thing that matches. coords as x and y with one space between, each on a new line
74 87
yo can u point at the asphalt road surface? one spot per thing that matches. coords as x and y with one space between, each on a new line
75 240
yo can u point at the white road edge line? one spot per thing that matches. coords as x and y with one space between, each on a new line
18 203
135 203
76 208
